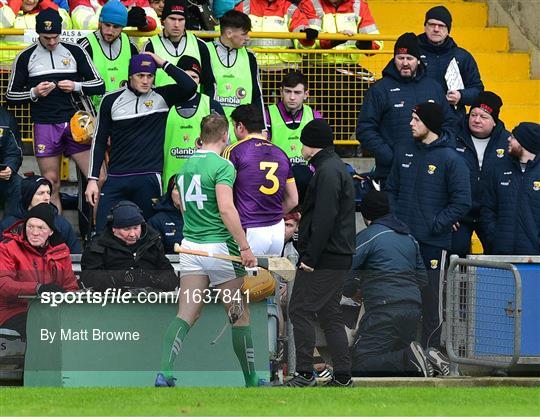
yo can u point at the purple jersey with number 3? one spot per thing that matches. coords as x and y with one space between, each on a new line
263 170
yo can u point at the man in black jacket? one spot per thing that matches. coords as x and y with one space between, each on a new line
429 190
482 141
10 162
127 254
388 273
439 52
133 119
326 245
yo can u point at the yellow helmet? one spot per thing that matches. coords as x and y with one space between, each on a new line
259 286
82 126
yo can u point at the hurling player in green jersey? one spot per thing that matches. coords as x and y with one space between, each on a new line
211 224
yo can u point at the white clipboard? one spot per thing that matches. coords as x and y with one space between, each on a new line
453 76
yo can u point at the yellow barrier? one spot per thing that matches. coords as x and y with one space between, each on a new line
338 78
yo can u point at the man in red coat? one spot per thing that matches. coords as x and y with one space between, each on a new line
33 259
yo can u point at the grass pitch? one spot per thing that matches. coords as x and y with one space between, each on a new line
410 401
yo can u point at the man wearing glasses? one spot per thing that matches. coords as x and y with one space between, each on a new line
441 56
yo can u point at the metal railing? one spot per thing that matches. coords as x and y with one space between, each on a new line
338 78
483 313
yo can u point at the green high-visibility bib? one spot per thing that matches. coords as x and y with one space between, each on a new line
284 137
181 135
234 86
114 71
191 49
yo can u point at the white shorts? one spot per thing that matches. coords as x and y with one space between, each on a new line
218 271
267 240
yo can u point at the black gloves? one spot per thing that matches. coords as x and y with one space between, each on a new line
311 34
137 17
51 288
337 42
364 45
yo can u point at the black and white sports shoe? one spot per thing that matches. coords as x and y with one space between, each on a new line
439 361
335 383
323 374
300 381
418 358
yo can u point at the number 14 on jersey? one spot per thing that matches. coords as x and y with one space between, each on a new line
193 193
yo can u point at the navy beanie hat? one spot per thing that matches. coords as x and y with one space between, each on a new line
374 205
42 211
29 186
431 114
187 62
489 102
528 135
126 213
440 13
174 7
48 21
318 134
407 44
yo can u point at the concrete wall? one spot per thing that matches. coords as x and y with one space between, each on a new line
523 19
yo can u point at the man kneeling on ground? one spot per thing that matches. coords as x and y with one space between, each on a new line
388 272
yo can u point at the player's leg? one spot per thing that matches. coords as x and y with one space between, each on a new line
189 310
10 194
80 153
111 193
259 240
48 151
278 238
236 307
267 240
144 190
81 159
193 280
50 169
237 310
432 304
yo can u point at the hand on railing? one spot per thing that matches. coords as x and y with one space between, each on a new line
311 34
137 17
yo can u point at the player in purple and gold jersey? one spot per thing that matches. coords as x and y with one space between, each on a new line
264 189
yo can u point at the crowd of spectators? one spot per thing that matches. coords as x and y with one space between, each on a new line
444 170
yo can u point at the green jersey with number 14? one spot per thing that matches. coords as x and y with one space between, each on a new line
196 183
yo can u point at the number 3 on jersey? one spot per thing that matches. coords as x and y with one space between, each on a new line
193 193
270 176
